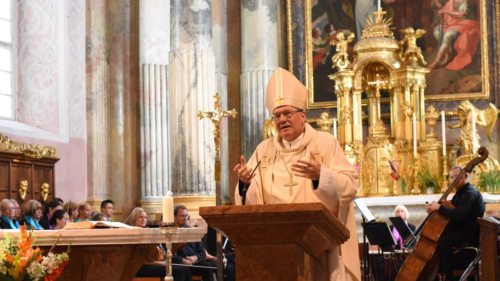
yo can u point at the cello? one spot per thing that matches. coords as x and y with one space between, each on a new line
422 261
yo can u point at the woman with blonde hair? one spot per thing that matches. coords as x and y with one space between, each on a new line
138 217
402 212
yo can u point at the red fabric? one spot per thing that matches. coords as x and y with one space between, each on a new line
468 40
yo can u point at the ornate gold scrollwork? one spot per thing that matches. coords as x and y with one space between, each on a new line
29 150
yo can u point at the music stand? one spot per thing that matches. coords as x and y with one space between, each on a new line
401 227
378 233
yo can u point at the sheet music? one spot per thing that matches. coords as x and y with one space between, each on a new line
365 212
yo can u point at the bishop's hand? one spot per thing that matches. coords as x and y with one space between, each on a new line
307 169
243 171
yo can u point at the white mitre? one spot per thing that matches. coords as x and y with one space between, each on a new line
284 89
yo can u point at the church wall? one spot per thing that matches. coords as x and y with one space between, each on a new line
49 87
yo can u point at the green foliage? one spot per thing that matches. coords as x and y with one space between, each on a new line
425 180
489 181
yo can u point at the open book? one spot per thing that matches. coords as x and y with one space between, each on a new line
96 224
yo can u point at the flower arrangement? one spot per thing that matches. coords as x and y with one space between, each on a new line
20 261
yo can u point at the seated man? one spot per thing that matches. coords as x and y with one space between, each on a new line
192 253
463 226
107 209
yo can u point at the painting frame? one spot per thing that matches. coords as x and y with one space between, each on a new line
300 53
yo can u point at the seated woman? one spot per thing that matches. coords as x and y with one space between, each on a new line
72 209
33 212
58 220
138 217
84 212
8 214
402 212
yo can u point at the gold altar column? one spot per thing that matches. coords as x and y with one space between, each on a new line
343 85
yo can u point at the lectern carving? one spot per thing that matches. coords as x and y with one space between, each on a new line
278 242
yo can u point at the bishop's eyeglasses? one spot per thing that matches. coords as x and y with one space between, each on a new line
286 114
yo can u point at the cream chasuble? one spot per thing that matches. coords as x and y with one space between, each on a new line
274 183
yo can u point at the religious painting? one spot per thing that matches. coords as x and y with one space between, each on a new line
455 44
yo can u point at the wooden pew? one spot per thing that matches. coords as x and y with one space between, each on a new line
488 240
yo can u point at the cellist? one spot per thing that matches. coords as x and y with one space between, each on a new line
468 205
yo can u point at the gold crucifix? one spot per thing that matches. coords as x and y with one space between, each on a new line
216 117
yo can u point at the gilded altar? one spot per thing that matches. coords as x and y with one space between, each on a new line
385 70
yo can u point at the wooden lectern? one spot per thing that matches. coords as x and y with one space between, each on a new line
277 242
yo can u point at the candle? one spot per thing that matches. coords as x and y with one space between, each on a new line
473 130
335 127
168 209
415 135
378 5
443 132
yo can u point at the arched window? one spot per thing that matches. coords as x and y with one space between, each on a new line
6 65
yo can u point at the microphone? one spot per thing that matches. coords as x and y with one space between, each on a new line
243 187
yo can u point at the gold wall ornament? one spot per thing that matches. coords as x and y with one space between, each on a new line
23 189
29 150
44 192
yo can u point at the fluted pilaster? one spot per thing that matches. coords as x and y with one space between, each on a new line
155 162
260 35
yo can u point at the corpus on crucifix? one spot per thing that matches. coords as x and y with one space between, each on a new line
216 117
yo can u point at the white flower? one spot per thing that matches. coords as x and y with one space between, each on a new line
35 271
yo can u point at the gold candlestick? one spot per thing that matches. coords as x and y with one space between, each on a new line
445 174
415 190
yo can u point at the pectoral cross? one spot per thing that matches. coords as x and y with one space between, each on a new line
216 117
290 184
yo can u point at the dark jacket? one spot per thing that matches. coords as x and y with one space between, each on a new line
190 249
469 206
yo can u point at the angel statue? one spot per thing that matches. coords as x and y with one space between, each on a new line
412 53
341 58
468 117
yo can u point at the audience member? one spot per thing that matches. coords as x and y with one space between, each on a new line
8 211
138 217
72 209
58 219
84 212
192 253
107 209
17 216
50 208
99 217
33 212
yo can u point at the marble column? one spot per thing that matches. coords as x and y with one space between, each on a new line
97 100
154 46
112 53
260 35
192 82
